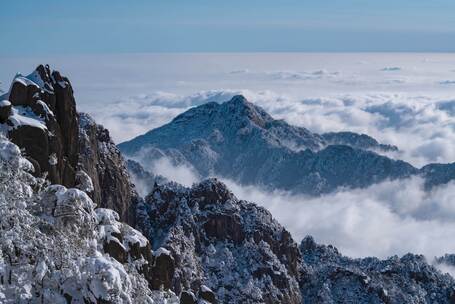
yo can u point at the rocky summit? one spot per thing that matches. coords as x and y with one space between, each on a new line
74 230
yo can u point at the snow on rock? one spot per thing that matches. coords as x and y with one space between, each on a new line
101 160
24 116
4 103
221 242
161 251
84 182
51 244
332 278
43 122
230 251
53 159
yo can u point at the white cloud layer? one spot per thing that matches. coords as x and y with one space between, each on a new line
385 219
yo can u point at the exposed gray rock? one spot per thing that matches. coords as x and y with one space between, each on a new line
103 163
187 297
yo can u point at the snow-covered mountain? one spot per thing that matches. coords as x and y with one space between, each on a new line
243 255
240 141
68 207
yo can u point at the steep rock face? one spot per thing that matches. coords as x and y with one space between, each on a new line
102 161
240 141
230 246
44 122
39 115
329 277
55 247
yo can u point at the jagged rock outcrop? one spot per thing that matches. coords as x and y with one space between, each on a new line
43 121
240 141
329 277
39 115
232 247
103 163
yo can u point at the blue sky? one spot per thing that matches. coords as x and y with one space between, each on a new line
62 27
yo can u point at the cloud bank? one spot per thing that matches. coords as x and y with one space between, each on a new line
383 220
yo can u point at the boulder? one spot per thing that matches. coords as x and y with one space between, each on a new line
187 297
163 269
116 250
207 294
5 110
22 94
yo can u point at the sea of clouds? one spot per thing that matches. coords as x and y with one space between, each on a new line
407 100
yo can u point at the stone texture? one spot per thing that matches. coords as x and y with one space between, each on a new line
102 161
54 104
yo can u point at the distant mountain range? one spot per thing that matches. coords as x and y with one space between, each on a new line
240 141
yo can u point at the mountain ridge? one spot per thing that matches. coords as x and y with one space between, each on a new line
240 141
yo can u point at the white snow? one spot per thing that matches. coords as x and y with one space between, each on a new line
45 107
161 251
65 257
53 159
205 289
24 116
4 103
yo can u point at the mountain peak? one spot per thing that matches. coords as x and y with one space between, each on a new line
239 99
241 107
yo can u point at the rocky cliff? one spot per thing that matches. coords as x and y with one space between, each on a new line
101 160
39 114
55 247
233 247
